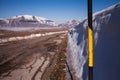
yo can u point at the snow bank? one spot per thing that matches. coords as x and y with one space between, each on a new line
29 36
106 32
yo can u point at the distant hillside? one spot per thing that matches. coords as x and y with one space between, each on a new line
29 22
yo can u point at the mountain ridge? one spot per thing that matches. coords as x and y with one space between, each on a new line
30 21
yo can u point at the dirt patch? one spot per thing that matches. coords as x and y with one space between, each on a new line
41 58
56 70
7 33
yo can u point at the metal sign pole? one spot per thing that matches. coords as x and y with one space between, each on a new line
90 41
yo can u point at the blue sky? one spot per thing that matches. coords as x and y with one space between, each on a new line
56 10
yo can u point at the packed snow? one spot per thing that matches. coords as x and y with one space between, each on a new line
106 30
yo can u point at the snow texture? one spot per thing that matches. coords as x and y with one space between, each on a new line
106 34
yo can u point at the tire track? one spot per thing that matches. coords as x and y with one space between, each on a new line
39 69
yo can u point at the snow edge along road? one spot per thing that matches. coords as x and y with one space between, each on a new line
29 36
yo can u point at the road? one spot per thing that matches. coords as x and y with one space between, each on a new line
38 58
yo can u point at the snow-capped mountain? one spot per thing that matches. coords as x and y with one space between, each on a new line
106 32
27 21
70 24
